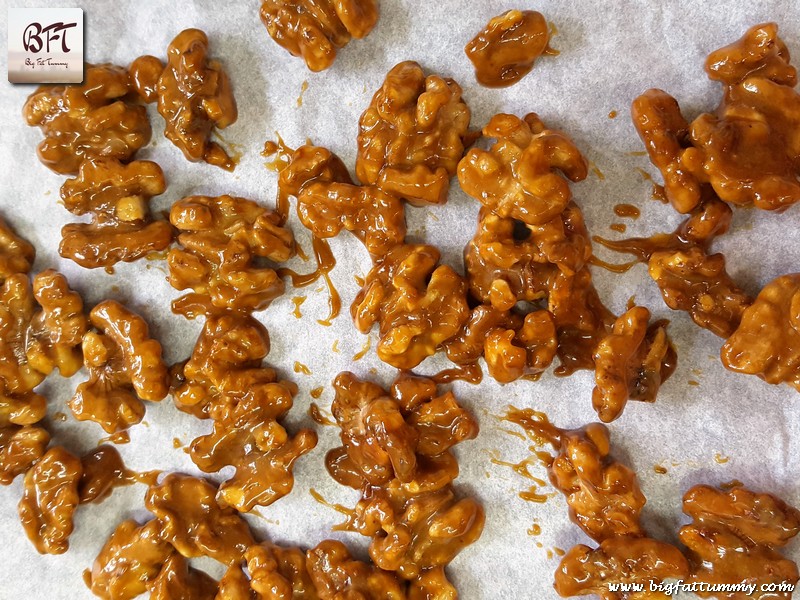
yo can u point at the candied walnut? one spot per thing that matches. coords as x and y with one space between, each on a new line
504 51
229 347
20 448
91 120
248 436
376 218
194 97
519 176
50 499
193 523
235 585
130 559
415 532
603 495
733 537
279 573
56 332
337 575
220 242
432 584
528 351
125 367
397 451
377 438
767 340
316 29
622 559
178 581
116 196
468 345
413 135
102 470
417 304
665 133
16 253
631 362
698 283
17 376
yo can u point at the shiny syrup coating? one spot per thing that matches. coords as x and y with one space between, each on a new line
116 196
95 119
505 50
315 30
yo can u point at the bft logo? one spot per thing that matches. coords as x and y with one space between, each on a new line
45 45
32 36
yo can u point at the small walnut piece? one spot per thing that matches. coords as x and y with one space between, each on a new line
91 120
315 29
525 174
16 253
102 470
194 96
417 304
528 351
733 539
125 367
50 499
130 560
279 573
194 524
504 51
412 135
220 241
622 559
116 196
767 341
20 448
630 363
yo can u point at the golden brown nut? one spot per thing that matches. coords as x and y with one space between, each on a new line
194 524
733 536
412 135
116 196
623 559
279 573
766 342
16 253
373 216
631 362
194 97
336 575
517 177
665 133
469 344
417 304
235 585
229 346
91 120
125 367
759 52
377 438
504 51
178 581
248 436
415 532
102 470
315 29
432 584
50 499
130 559
698 283
20 448
56 332
603 495
220 241
527 351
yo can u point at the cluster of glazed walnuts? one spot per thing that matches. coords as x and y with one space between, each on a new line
527 298
734 535
745 153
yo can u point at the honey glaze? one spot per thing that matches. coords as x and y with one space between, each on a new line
469 373
320 418
325 263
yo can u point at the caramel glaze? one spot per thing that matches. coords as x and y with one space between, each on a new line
469 373
325 264
505 50
627 210
316 414
103 470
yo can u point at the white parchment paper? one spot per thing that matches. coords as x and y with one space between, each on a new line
726 427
